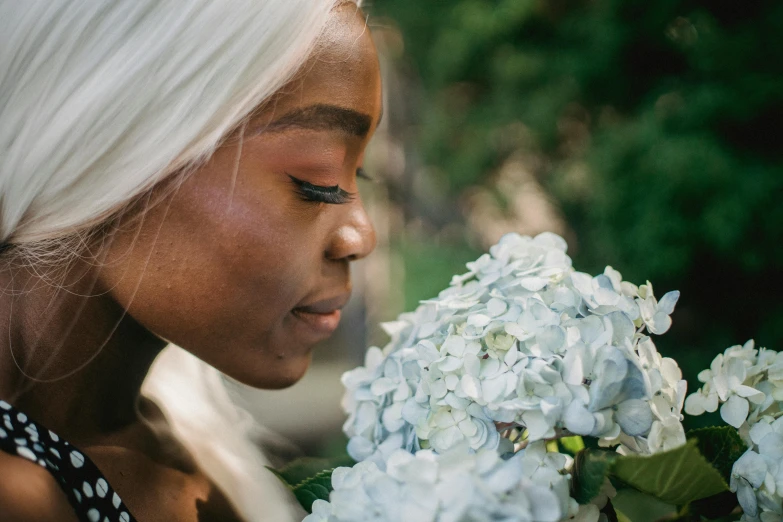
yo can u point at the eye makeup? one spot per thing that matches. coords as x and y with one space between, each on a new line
333 195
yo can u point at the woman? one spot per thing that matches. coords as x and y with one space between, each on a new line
180 172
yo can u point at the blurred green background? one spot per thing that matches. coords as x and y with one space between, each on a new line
652 130
648 133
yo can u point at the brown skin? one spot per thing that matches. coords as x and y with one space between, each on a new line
233 265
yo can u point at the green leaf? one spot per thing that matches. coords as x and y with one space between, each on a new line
635 506
721 446
591 467
310 479
305 468
678 476
314 488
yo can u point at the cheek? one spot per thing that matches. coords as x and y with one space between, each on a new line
213 267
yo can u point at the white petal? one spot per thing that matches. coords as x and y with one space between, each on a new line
454 344
457 403
622 326
321 508
668 301
534 284
694 404
471 365
428 329
545 505
551 338
772 446
634 417
537 425
711 403
471 386
582 282
468 427
659 324
670 371
721 386
496 307
478 320
750 393
647 307
492 390
359 448
438 389
517 331
735 411
574 364
747 498
759 430
578 420
751 467
392 417
490 368
382 386
443 440
413 412
402 392
450 364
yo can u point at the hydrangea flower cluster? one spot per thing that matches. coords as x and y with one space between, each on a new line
455 486
450 421
748 384
520 342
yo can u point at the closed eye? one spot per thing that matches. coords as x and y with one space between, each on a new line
333 195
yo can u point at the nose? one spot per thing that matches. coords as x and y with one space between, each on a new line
354 238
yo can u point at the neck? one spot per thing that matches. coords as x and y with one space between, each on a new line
70 357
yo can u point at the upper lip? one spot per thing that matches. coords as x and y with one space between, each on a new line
325 306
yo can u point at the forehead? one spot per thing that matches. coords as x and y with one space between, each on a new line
343 70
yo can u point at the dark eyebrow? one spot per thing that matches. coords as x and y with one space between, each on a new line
323 117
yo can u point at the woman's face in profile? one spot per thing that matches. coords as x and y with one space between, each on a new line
246 265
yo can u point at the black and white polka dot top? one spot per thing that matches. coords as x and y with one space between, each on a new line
87 490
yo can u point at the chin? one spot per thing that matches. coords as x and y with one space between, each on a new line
276 374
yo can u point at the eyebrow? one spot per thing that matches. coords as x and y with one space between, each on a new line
323 117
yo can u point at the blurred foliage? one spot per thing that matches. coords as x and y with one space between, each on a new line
661 124
429 266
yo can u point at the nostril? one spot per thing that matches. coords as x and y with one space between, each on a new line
345 244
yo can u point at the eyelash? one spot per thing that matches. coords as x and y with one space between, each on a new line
331 195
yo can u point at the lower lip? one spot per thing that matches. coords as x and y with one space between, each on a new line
324 324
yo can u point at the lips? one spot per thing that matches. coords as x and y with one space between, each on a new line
322 316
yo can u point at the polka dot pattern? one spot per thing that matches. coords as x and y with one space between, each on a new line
87 490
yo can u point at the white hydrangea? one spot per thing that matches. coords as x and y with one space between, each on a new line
748 383
520 341
455 486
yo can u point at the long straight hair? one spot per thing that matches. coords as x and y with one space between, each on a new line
100 100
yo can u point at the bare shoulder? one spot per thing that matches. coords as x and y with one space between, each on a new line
28 493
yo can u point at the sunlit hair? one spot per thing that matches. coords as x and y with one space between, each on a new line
100 100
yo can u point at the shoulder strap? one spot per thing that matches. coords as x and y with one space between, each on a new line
87 490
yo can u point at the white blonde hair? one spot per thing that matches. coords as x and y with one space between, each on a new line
100 100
